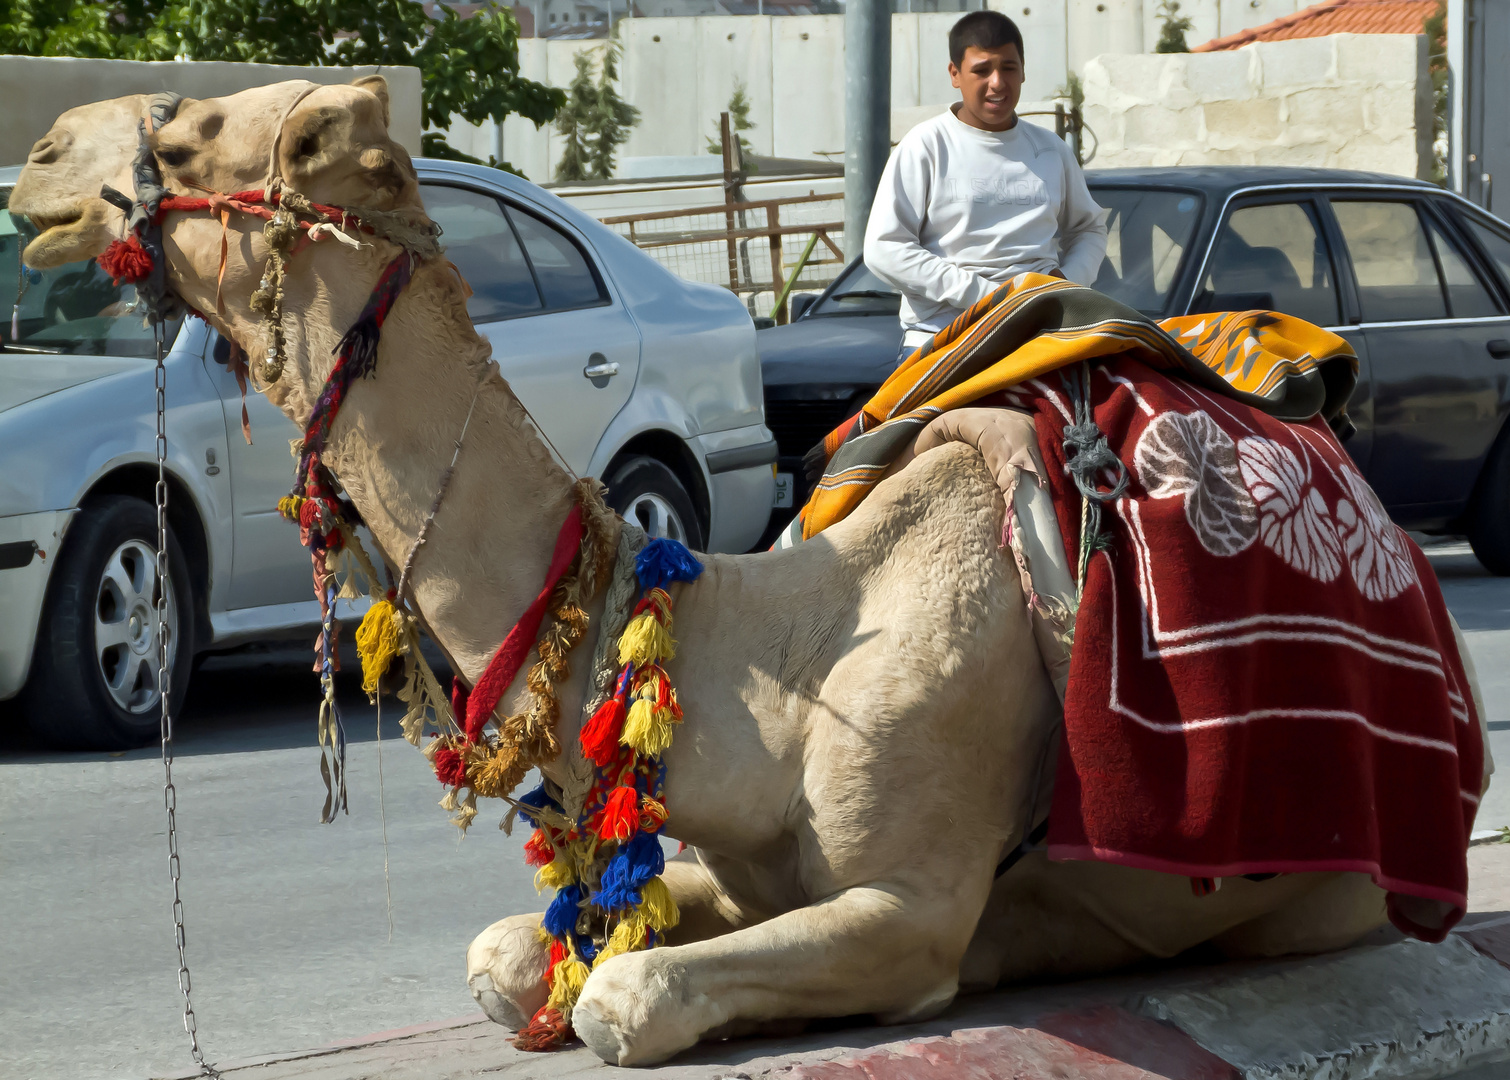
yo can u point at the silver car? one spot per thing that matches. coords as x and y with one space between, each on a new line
636 376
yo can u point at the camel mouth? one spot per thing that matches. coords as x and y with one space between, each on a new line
63 233
44 223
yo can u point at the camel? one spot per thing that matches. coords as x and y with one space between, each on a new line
866 713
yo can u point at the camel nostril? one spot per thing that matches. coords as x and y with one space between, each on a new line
49 147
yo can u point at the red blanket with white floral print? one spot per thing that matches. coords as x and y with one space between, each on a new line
1264 678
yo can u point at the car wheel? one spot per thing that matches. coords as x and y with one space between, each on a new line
650 495
94 679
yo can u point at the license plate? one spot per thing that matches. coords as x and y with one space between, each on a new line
784 489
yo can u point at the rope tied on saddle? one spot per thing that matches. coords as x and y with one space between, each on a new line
1087 458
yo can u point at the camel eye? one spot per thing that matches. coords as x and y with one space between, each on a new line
174 156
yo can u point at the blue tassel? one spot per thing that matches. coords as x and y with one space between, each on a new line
664 561
561 917
539 800
632 867
587 948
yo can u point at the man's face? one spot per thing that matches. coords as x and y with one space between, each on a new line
990 81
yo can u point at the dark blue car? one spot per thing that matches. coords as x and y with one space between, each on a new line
1414 277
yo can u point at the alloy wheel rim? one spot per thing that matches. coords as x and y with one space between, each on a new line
125 627
657 517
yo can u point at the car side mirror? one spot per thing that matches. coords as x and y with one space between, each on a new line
800 302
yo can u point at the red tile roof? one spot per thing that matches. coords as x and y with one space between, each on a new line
1333 17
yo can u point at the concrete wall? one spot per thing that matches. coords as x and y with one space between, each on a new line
37 89
681 71
1354 101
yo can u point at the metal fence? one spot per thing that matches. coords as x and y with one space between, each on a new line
762 251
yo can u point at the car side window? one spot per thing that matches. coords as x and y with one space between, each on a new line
1467 298
72 310
1392 261
1272 256
1496 245
480 241
566 278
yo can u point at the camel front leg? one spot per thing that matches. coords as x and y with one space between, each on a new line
506 962
880 948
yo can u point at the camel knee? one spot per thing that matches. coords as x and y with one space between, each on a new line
506 968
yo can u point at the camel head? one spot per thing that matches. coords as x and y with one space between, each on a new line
331 145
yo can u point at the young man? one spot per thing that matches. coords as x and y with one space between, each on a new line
975 195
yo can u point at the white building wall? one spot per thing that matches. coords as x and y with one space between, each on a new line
680 71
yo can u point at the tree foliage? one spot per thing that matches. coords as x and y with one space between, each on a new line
595 120
739 122
469 67
1435 29
1172 28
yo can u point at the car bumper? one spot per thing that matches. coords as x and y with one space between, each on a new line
23 587
741 485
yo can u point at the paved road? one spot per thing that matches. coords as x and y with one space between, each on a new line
288 934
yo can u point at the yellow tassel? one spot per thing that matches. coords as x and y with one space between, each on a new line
378 642
645 641
543 936
566 985
556 874
628 936
647 728
657 905
290 505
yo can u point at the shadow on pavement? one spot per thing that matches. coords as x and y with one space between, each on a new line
256 698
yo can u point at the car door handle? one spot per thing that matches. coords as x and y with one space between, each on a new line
1499 348
600 370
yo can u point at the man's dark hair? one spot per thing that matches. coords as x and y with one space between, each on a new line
984 30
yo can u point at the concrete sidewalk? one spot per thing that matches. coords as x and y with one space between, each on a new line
1389 1009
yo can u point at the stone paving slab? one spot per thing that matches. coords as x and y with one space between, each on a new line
1389 1009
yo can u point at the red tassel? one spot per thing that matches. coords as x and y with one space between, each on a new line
538 850
557 954
126 261
450 769
600 735
309 513
652 815
620 817
459 700
547 1031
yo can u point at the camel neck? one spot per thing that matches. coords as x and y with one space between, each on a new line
486 553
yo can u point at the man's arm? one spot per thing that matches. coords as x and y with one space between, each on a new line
1082 227
893 251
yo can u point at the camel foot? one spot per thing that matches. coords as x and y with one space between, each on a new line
505 969
635 1010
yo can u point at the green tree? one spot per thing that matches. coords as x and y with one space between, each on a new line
595 120
612 116
1172 28
1435 29
574 122
469 67
739 122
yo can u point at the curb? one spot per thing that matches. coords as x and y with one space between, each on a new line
1397 1011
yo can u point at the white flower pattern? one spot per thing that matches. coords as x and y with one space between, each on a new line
1294 521
1186 455
1377 550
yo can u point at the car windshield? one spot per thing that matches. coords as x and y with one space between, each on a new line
858 292
73 310
1147 232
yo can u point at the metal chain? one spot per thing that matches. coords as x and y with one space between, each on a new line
170 794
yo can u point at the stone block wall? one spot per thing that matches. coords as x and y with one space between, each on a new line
1350 101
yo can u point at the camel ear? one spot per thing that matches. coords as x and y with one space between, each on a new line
377 86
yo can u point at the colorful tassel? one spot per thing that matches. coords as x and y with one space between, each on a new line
548 1030
657 905
557 874
290 505
450 768
126 261
631 867
378 639
648 728
646 641
538 849
566 985
560 916
620 817
663 561
600 735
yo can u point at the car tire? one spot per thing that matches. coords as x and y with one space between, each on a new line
650 495
93 681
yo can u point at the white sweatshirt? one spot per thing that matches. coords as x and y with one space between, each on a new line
959 211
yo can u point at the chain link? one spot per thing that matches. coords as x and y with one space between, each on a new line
170 794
